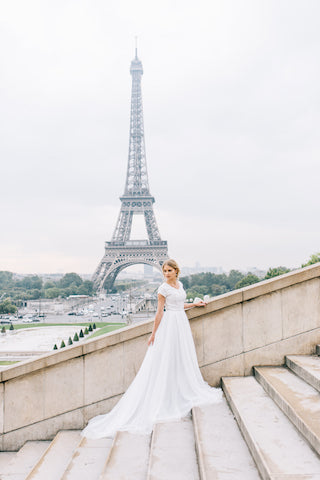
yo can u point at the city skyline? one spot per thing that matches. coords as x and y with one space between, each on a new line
231 105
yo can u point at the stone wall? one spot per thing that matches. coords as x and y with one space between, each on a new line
257 325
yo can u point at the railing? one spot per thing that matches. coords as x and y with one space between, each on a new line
136 243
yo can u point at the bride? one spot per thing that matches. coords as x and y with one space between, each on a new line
168 383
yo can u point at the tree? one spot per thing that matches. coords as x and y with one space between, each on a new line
62 344
30 283
55 347
86 332
185 282
81 335
35 293
70 342
234 277
249 279
314 258
217 289
11 327
70 278
7 307
197 291
52 292
274 272
5 278
76 338
87 288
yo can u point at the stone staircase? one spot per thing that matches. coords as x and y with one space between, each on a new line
268 426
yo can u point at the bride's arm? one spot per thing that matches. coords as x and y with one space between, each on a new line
157 318
198 304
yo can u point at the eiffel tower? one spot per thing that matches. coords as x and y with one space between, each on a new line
122 252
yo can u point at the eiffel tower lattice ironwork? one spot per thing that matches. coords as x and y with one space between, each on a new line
122 252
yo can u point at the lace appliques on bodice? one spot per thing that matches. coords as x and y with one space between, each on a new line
175 297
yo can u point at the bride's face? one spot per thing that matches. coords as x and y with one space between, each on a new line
169 273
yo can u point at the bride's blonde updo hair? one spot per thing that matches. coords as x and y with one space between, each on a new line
173 264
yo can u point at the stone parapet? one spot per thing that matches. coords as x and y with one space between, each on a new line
257 325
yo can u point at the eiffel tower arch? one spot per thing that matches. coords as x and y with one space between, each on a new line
121 252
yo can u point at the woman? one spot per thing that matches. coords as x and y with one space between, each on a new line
168 383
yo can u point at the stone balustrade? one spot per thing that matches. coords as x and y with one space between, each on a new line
257 325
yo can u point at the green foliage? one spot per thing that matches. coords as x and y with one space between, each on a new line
90 328
3 330
70 342
11 327
94 326
76 338
30 283
233 278
249 279
7 307
6 278
70 279
81 335
86 332
275 272
31 287
62 344
86 288
52 292
197 291
107 329
314 258
200 284
35 293
55 347
217 290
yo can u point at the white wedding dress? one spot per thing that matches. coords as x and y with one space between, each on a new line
168 383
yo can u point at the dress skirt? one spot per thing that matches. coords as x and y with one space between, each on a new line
168 384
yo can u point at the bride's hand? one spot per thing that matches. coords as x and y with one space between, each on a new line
200 304
151 339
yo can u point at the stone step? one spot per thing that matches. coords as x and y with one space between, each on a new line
306 367
298 400
54 461
278 449
128 457
88 459
22 462
5 459
173 454
222 452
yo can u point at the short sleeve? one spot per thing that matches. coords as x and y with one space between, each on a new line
163 290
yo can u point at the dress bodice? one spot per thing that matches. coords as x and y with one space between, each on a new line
175 297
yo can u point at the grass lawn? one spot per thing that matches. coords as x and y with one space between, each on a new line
7 362
18 326
107 329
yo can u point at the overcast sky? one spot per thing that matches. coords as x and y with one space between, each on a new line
231 93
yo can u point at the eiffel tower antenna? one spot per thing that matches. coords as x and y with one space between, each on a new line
121 252
136 42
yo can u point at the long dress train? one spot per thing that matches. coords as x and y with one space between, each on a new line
168 383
